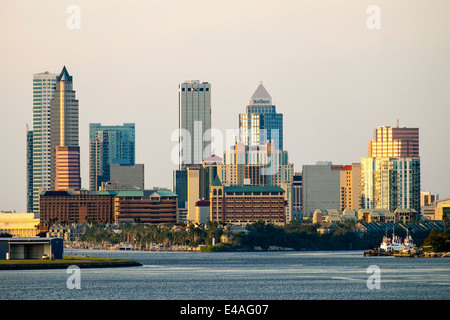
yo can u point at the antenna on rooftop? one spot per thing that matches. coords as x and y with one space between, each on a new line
398 123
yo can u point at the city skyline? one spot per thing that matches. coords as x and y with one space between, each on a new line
334 80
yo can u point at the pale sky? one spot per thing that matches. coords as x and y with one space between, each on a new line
333 78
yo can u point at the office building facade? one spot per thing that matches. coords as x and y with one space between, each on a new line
67 168
109 145
194 112
44 85
321 187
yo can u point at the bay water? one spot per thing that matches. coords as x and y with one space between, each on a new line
277 275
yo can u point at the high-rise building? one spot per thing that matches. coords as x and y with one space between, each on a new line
194 111
44 85
390 183
261 123
390 175
64 124
394 142
109 145
29 170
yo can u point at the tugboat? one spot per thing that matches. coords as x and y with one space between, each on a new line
391 246
394 247
408 245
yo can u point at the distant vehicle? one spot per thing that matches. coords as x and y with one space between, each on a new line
45 257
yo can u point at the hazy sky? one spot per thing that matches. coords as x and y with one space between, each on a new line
333 78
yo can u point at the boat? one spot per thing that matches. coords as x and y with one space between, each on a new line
395 245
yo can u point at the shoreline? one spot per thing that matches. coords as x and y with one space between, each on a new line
86 262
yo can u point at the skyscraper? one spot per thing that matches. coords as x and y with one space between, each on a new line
390 175
390 183
64 123
194 111
29 170
43 87
109 145
261 123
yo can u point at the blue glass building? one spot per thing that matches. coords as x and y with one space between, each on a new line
109 145
261 123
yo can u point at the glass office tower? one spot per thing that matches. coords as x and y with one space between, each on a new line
194 111
109 145
261 123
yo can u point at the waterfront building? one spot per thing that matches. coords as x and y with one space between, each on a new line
146 206
109 145
261 123
390 183
24 224
64 123
39 175
350 182
31 248
394 142
82 206
241 205
321 187
194 114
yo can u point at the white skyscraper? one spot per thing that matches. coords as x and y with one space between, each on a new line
194 121
43 86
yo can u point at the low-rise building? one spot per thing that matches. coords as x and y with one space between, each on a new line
65 207
31 248
241 205
334 215
23 224
146 206
376 215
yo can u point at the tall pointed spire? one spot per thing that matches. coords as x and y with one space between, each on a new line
64 75
261 96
